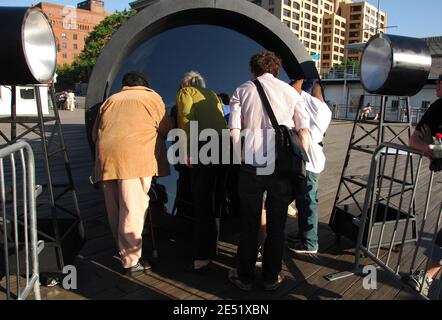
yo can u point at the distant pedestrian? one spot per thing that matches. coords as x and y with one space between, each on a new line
366 111
70 101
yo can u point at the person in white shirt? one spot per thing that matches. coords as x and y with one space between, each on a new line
306 241
248 115
70 102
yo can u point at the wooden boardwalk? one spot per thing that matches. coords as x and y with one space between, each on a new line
99 271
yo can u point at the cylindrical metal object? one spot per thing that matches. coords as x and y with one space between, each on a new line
28 50
395 65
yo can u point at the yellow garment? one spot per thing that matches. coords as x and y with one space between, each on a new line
130 133
201 105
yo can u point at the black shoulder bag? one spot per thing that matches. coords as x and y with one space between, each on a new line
290 154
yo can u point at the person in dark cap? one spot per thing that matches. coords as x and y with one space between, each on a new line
422 140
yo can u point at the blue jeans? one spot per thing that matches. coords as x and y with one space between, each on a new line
308 217
436 255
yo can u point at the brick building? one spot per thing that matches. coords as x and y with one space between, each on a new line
72 25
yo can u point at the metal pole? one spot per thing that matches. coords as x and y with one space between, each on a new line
378 15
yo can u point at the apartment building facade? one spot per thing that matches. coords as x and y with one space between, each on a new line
323 26
364 21
72 25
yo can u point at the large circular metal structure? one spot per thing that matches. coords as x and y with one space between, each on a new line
28 51
395 65
239 15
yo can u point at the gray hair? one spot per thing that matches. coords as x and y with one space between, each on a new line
193 79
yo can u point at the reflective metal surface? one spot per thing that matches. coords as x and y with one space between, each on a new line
28 51
39 46
395 65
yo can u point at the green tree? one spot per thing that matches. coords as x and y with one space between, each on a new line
348 66
80 69
66 76
100 36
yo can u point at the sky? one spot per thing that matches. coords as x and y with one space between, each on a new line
414 18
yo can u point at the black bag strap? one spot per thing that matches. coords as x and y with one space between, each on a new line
266 103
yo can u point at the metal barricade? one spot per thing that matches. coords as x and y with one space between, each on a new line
400 223
18 223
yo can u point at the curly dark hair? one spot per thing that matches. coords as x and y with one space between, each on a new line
265 61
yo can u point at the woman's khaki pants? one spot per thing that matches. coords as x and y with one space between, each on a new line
126 204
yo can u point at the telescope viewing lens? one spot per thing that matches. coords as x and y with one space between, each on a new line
39 46
376 64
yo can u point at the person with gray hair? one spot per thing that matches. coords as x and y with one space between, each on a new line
193 79
199 105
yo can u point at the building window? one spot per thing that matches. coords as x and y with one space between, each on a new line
326 57
307 6
286 13
63 35
295 16
287 23
75 36
288 3
296 5
307 25
306 34
75 46
295 26
315 9
307 44
356 9
64 45
354 34
355 25
355 17
314 28
307 16
315 19
65 55
343 33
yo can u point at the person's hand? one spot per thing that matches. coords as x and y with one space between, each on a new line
428 152
189 162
